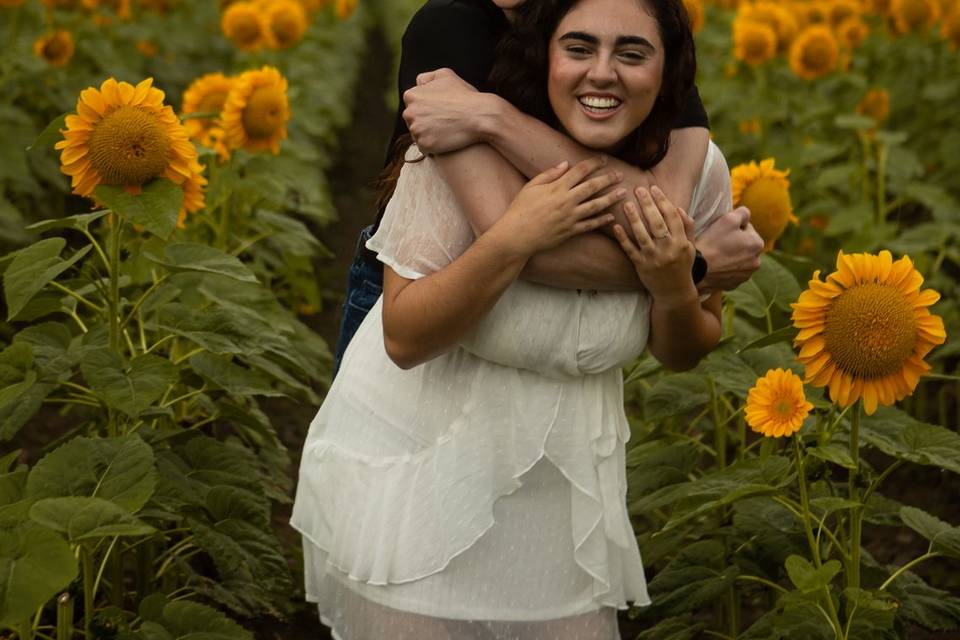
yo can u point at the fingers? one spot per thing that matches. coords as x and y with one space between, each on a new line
589 188
743 217
689 226
594 223
638 227
627 245
550 174
651 215
600 203
425 77
582 169
669 212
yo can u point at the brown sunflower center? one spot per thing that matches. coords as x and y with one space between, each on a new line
55 47
769 204
245 28
870 331
817 54
263 115
755 45
129 146
915 13
212 102
285 27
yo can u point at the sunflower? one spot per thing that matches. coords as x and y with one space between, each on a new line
206 94
753 42
841 10
876 7
814 13
852 32
950 30
125 136
766 192
783 23
695 12
245 25
914 15
815 52
865 331
147 48
10 4
345 8
875 104
287 22
257 110
776 405
56 48
60 4
750 127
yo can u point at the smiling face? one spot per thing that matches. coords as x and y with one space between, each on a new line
606 63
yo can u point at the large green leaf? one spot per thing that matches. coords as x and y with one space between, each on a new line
120 470
87 518
944 537
677 628
675 395
808 579
155 209
744 478
214 329
223 373
190 256
922 604
16 414
50 343
874 614
131 388
50 134
697 575
729 372
902 436
194 621
32 269
35 564
793 621
81 222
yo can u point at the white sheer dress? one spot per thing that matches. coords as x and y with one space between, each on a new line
481 494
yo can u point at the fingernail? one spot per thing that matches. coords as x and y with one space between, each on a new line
621 193
655 190
642 192
618 175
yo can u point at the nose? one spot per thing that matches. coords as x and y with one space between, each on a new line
602 71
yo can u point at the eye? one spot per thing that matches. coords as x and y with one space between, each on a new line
578 50
633 56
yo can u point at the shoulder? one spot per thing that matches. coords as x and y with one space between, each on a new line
437 17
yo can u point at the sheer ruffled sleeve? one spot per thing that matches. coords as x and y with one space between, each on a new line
423 229
713 196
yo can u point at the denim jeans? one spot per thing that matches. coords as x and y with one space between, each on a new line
364 286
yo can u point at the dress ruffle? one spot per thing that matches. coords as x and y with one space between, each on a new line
392 513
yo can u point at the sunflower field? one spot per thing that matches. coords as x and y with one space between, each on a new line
170 171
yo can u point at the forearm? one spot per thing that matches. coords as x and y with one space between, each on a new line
425 317
683 332
531 146
591 261
484 183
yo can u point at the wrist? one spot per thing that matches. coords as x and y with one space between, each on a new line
679 298
490 118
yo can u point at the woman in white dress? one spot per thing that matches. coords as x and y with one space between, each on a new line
464 478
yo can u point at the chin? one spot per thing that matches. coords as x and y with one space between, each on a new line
599 138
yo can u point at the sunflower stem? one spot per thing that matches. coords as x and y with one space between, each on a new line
856 513
805 502
88 589
881 183
116 231
907 567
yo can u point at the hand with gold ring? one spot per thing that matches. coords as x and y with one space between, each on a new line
663 254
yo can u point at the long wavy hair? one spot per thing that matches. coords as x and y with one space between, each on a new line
519 75
520 71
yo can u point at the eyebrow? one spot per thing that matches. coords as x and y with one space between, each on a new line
620 41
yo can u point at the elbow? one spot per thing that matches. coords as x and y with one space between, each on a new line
681 364
401 354
404 352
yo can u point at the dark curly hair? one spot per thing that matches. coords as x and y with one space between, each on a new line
520 71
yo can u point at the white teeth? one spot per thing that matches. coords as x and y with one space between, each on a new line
596 102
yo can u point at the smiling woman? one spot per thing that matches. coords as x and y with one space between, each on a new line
465 476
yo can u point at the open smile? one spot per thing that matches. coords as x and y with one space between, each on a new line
599 107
